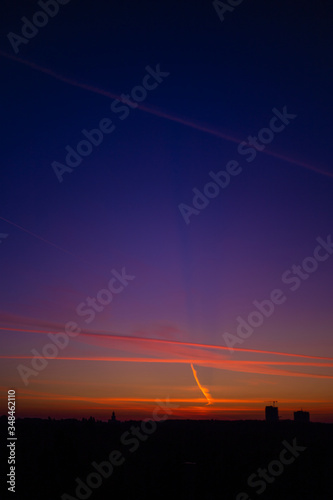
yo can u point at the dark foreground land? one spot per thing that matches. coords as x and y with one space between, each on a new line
176 459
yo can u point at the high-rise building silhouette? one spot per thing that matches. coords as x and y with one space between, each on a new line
272 414
301 416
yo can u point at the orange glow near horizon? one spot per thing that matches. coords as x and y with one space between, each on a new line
141 370
47 404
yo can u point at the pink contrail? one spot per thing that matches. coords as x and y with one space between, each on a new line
175 360
156 112
42 239
105 93
111 336
236 366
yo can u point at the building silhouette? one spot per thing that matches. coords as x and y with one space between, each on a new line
113 419
301 416
272 414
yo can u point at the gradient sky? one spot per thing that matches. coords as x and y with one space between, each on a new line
162 337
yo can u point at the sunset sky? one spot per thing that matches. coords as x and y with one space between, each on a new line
117 213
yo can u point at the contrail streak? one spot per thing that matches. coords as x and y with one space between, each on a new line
199 361
161 114
43 239
261 368
204 391
110 336
105 93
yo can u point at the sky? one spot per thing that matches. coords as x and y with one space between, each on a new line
183 251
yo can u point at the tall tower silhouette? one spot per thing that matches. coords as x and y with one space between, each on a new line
113 419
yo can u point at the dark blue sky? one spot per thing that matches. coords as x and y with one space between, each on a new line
120 206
